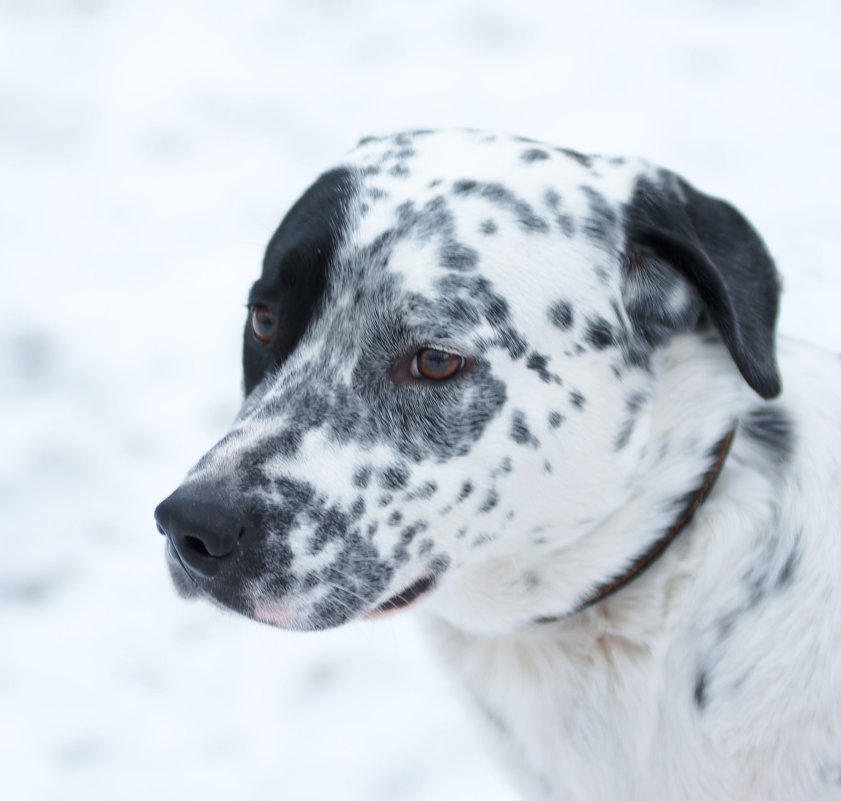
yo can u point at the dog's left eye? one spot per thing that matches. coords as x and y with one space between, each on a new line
436 365
263 323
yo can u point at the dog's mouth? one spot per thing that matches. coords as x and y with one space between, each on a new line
190 586
185 583
405 597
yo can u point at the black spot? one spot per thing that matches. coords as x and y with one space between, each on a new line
296 495
492 306
602 273
564 221
395 518
635 401
770 574
538 362
393 478
788 569
435 220
466 489
496 311
771 428
505 199
427 490
547 466
399 171
362 477
333 525
555 419
534 154
358 509
488 227
552 199
577 399
385 500
584 161
455 256
531 582
599 333
520 431
310 581
700 694
465 186
624 435
560 315
633 404
830 773
601 224
490 501
425 547
439 564
409 533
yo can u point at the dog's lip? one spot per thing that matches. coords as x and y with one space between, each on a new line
402 599
185 583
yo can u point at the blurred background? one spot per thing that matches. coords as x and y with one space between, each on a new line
147 151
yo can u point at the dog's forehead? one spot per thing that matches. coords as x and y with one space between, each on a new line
461 203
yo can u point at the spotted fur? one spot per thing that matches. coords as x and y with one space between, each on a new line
613 324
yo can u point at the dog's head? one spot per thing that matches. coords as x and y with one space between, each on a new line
448 362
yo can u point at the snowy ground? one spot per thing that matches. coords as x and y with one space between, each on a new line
147 150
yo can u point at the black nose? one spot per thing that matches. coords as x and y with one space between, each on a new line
202 526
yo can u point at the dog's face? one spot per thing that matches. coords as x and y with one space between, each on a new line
446 362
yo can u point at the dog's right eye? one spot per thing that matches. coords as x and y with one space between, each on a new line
263 323
436 365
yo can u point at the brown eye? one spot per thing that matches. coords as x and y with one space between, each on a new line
263 323
436 365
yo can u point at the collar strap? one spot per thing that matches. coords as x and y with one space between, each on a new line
693 501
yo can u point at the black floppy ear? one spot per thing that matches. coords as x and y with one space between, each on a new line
721 256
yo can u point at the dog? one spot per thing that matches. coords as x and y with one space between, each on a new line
536 394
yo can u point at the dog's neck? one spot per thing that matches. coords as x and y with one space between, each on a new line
658 547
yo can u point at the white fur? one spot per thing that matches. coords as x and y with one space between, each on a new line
600 706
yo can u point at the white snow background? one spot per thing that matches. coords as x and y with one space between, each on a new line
147 151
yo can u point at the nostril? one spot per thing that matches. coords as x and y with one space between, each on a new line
195 545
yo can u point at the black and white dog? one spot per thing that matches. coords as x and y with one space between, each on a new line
536 392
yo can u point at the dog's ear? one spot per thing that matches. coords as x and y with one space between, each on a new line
670 224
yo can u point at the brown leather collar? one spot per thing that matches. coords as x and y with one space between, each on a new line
693 501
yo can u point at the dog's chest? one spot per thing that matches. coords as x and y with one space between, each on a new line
587 717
